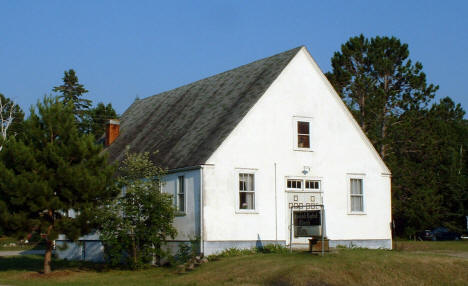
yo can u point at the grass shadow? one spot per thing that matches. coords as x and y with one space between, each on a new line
36 263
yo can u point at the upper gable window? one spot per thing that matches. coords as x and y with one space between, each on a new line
302 133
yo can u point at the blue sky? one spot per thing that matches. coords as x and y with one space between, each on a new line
124 49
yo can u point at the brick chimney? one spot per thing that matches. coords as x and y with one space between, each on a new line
112 131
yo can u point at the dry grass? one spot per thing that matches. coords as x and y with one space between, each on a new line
430 245
410 266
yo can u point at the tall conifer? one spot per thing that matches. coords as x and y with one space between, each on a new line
55 169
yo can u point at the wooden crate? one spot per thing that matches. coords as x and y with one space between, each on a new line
315 245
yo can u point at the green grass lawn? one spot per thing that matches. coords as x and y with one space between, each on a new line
416 263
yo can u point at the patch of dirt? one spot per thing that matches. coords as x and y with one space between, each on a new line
52 275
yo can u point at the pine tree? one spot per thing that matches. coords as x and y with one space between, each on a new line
379 82
424 146
52 170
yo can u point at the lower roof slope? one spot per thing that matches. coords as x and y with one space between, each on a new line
187 124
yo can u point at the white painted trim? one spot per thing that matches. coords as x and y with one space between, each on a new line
308 119
348 113
303 188
362 177
254 172
176 200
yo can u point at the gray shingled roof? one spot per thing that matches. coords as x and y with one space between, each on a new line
187 124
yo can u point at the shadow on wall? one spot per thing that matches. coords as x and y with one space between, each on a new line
259 244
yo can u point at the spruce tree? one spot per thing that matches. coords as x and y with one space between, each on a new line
52 170
71 92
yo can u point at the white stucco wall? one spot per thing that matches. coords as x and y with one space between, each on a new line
266 136
187 224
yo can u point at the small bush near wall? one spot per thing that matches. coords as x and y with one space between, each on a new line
187 251
269 248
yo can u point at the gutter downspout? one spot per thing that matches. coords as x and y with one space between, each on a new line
276 211
202 244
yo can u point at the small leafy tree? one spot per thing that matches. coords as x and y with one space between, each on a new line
135 226
51 170
11 119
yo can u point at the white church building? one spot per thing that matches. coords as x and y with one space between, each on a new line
244 146
264 153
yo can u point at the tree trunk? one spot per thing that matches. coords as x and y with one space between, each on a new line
48 256
363 113
383 133
383 146
134 251
49 245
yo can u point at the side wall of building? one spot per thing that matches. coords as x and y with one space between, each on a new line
263 144
187 222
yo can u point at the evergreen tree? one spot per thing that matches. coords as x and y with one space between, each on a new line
52 170
71 92
423 146
379 82
97 118
430 168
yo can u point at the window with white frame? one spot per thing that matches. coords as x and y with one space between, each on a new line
181 194
246 191
294 184
356 195
302 133
303 185
312 185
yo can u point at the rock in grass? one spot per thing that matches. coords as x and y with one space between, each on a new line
189 266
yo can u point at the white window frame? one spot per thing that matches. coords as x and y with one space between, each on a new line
358 176
297 119
177 193
253 172
311 189
295 189
303 179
